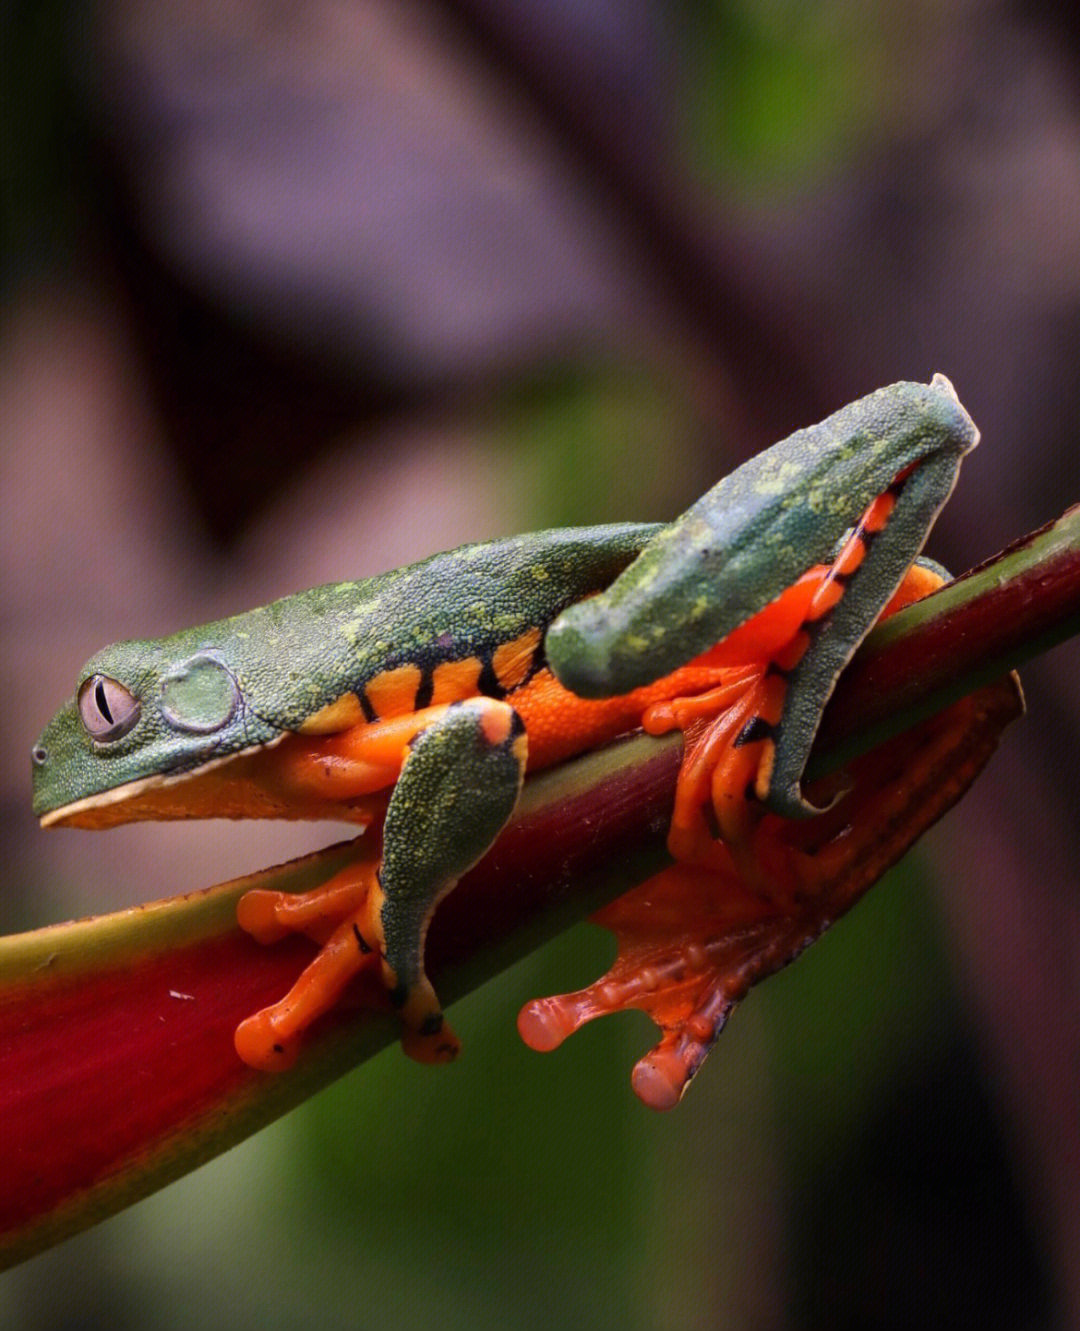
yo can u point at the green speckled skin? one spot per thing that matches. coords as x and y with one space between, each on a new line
294 656
455 793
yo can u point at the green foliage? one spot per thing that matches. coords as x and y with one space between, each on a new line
855 1012
584 441
779 91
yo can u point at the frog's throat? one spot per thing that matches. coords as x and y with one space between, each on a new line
225 787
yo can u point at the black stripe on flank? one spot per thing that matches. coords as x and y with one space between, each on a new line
424 690
370 714
538 662
757 728
489 681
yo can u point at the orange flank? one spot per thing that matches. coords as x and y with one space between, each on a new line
560 724
393 693
333 769
454 680
513 660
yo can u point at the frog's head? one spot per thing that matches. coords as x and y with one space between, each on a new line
147 718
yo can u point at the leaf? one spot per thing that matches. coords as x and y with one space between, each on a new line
117 1068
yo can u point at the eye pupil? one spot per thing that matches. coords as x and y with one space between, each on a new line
102 700
108 709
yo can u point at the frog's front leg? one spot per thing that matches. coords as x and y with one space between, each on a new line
457 789
458 784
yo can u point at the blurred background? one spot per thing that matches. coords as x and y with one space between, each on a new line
300 293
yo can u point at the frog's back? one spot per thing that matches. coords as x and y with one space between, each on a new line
393 639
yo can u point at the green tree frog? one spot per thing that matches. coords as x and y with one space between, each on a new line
414 703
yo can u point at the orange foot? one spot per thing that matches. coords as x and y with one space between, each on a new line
339 916
689 947
691 941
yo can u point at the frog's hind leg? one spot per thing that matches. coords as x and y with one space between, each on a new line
457 787
870 576
749 740
692 941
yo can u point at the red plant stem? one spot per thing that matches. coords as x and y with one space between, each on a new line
117 1069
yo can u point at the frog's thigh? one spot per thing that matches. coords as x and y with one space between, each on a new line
457 788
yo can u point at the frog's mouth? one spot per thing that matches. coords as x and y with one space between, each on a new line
238 785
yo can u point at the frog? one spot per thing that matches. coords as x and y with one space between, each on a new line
414 704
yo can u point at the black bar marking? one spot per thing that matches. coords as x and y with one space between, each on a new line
424 690
757 728
488 683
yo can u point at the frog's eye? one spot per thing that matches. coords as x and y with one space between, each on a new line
108 710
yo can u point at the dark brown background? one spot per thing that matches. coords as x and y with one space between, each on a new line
301 293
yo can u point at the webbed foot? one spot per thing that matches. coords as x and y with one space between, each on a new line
689 947
339 917
691 941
